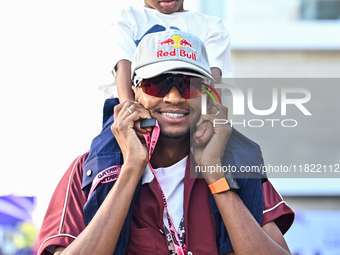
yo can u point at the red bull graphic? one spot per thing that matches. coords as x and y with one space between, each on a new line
168 41
181 44
177 42
185 43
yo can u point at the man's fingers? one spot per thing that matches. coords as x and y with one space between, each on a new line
218 111
128 116
203 134
225 111
203 118
124 110
206 127
120 109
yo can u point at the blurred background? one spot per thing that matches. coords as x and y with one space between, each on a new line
55 54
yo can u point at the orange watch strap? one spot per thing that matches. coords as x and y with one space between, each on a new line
219 186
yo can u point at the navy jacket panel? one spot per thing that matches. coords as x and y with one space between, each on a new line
104 151
245 155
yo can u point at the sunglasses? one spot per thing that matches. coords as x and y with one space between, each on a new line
189 86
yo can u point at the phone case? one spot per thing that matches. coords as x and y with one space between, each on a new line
148 123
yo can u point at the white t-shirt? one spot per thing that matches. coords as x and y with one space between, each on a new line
171 180
131 24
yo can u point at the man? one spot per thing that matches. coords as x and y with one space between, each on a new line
154 207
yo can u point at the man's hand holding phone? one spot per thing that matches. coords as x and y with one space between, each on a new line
209 141
128 133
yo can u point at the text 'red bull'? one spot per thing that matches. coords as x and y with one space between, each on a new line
182 53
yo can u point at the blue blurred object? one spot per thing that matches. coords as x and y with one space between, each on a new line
315 233
15 209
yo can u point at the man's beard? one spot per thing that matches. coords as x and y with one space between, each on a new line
175 135
180 134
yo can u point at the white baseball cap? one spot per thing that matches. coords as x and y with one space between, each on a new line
170 50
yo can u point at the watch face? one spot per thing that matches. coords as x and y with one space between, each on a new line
233 184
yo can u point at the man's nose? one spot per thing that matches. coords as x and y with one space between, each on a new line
174 96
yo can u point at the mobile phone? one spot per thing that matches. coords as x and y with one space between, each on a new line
148 123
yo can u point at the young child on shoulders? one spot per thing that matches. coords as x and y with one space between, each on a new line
132 24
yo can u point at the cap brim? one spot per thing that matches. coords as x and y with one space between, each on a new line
155 69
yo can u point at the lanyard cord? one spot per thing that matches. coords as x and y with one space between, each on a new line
151 143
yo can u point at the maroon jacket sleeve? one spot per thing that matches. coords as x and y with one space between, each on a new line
64 218
276 209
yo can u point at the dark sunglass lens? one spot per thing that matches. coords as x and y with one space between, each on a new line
195 92
156 86
196 85
188 86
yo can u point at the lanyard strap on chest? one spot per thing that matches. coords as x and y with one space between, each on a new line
151 143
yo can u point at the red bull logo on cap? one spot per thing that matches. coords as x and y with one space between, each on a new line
168 41
185 43
177 42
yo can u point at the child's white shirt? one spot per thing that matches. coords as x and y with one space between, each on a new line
132 23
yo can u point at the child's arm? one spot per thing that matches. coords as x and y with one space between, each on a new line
124 48
216 74
123 79
217 44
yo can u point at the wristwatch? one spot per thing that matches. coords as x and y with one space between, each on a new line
228 182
